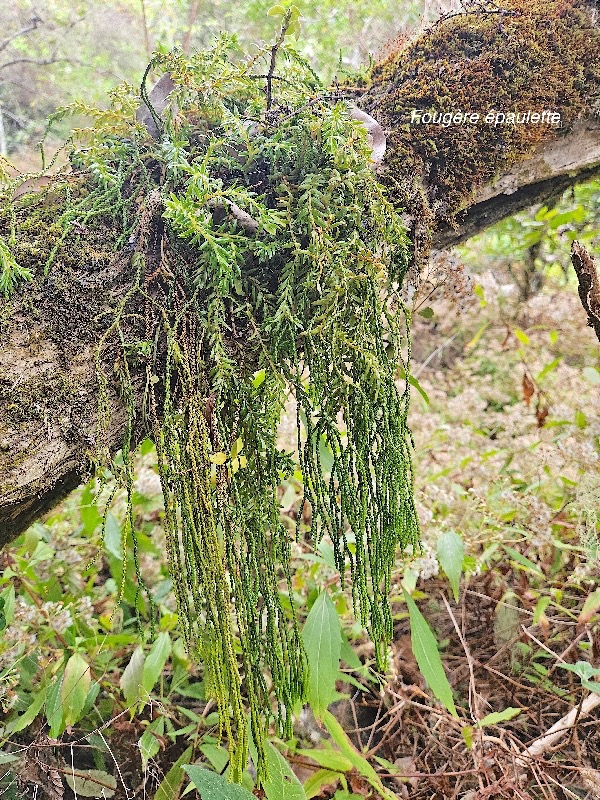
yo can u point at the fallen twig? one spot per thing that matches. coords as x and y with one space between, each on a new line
560 728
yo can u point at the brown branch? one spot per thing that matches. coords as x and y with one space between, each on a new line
552 168
146 30
38 62
274 50
35 20
589 284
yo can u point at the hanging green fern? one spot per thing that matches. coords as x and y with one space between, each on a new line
267 259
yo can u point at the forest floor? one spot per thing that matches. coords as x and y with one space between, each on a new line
507 455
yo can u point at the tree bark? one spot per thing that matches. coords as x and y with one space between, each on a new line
50 330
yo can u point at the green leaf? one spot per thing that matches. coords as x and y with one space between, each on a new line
276 11
521 336
474 341
24 720
590 607
576 214
258 378
54 709
318 780
359 763
548 369
75 686
236 448
591 686
171 784
425 650
293 28
323 642
215 787
91 698
414 382
7 605
155 661
580 419
88 510
91 783
479 292
498 716
113 543
281 783
328 758
467 734
523 560
131 679
428 313
451 554
216 755
583 669
149 744
540 608
348 654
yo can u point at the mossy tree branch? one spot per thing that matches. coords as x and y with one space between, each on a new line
452 182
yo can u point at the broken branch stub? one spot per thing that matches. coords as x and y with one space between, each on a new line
589 284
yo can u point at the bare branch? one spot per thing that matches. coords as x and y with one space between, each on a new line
35 20
284 26
190 27
39 62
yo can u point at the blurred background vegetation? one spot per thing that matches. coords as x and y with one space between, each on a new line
507 464
55 51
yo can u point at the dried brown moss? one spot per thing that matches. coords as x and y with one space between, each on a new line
519 56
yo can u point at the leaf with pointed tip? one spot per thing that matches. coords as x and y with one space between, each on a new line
426 652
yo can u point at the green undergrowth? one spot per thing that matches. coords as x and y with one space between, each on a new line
264 258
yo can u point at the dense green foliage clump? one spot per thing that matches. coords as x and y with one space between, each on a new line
266 260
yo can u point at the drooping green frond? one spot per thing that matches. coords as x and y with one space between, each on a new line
267 261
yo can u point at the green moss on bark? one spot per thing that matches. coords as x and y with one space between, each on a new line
518 56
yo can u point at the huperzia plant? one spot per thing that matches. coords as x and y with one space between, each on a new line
267 259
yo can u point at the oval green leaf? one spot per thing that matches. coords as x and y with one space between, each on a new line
75 687
322 639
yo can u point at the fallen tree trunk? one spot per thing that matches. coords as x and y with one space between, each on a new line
452 181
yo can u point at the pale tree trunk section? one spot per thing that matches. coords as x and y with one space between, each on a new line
49 391
546 174
50 331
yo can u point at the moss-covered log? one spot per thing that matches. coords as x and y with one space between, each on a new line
49 334
452 181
